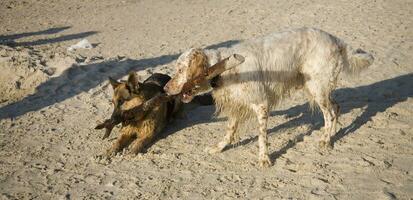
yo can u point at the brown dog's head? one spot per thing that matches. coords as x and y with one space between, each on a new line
123 92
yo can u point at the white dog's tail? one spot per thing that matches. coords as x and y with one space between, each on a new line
356 60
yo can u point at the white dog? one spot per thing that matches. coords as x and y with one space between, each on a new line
274 65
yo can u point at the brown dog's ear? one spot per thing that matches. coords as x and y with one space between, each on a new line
113 82
133 82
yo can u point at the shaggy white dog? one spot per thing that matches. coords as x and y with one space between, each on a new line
274 65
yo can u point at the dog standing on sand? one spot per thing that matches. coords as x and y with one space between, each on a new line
274 65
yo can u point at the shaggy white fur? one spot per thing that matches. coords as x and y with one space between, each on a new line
274 65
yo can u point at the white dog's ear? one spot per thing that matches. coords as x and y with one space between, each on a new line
198 59
133 82
113 82
224 65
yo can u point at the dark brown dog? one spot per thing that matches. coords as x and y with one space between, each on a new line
141 132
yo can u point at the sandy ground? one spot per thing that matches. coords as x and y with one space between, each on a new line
50 100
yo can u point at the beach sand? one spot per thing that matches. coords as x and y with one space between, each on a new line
51 99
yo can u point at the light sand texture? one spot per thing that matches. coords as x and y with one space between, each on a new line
50 100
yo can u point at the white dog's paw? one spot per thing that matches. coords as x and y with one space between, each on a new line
325 145
214 149
265 161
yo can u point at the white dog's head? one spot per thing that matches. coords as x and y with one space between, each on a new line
194 64
191 64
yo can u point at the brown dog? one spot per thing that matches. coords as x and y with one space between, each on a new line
141 132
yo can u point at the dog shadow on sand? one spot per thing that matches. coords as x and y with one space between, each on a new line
10 40
82 78
373 98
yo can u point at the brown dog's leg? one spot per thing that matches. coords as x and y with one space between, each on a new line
139 144
123 140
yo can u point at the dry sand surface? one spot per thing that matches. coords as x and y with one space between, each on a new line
50 100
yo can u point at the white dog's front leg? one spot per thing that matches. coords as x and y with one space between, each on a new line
261 111
228 139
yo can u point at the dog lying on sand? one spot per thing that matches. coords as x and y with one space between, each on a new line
142 131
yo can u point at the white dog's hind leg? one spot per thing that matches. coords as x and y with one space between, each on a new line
328 124
335 113
321 95
330 111
228 139
261 111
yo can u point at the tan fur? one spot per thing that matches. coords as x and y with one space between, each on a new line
138 133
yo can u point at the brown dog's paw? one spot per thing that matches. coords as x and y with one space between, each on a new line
111 153
135 149
102 159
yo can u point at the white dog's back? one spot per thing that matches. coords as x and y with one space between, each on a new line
278 62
